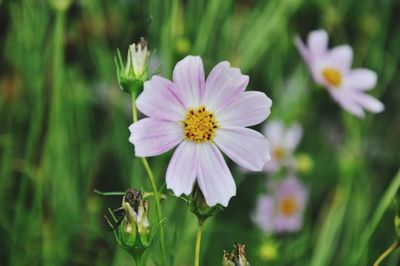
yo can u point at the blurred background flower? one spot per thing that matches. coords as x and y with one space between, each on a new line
283 143
282 209
331 68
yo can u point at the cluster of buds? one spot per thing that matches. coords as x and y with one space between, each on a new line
133 230
236 258
132 75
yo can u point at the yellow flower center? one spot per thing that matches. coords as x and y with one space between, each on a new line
288 206
332 76
199 125
278 153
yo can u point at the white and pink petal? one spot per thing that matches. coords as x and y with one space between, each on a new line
153 137
303 50
369 103
274 132
214 177
360 79
246 147
182 169
224 85
159 100
317 42
250 109
264 213
340 57
293 137
288 224
345 100
272 166
188 77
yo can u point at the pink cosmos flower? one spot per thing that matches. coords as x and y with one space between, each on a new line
331 68
283 142
283 211
202 117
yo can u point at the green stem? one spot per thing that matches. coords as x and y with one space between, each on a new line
377 216
138 260
109 193
387 252
198 242
153 186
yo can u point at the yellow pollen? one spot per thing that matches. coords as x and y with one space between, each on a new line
199 125
332 76
288 206
278 153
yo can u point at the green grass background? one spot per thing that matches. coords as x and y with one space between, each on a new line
64 127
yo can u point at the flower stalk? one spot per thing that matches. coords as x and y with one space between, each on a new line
396 244
198 242
131 78
153 186
387 252
199 207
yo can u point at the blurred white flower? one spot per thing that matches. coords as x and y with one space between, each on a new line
283 210
331 68
283 142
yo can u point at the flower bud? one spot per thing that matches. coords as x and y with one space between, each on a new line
236 258
134 232
132 75
199 207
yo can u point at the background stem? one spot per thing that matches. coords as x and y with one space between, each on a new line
387 252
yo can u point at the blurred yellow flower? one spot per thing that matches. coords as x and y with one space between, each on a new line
304 163
268 251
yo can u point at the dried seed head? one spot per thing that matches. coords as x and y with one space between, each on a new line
134 232
236 258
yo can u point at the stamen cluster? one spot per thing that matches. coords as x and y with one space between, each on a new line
288 206
332 76
199 125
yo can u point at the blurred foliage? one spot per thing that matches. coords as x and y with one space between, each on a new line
64 127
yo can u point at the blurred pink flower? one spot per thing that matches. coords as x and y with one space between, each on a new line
331 68
283 211
283 143
202 117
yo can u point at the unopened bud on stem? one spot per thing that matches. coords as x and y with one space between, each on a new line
199 206
134 73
